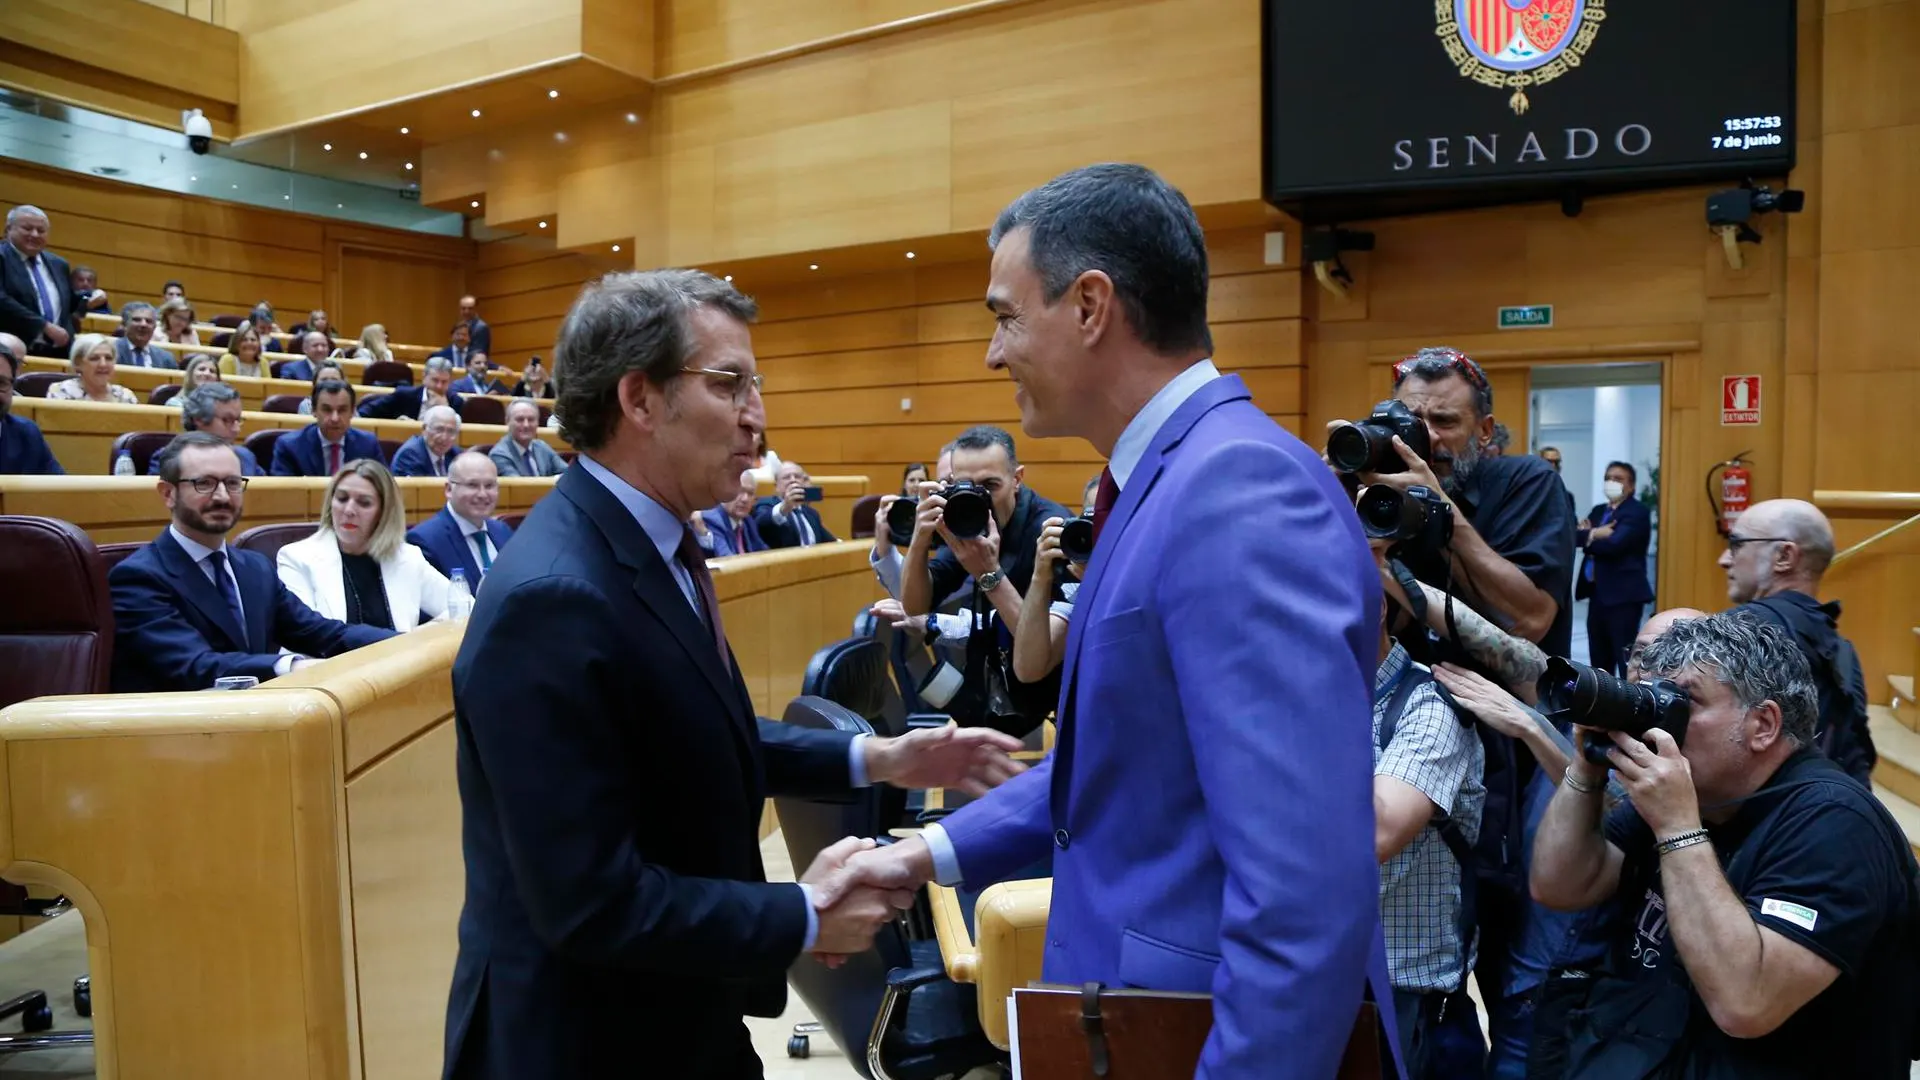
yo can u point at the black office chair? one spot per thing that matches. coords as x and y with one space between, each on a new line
852 673
894 1000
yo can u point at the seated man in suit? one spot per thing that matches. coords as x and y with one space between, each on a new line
785 520
728 529
408 402
215 409
459 344
523 452
330 441
479 334
464 534
431 452
36 290
315 347
23 450
480 378
87 293
190 610
136 347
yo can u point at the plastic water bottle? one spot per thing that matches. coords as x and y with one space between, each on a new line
459 597
123 464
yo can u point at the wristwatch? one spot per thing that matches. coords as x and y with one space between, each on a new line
991 580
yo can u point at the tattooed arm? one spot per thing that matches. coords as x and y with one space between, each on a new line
1516 662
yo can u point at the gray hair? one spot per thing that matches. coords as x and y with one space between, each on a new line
1133 226
983 436
26 210
1808 528
311 334
440 412
197 404
630 323
523 402
1502 436
1757 660
134 307
439 363
1436 362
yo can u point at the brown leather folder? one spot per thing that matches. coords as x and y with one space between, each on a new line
1068 1033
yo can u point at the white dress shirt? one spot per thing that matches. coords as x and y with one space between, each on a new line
200 552
468 530
1127 452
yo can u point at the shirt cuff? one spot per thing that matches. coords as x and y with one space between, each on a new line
706 540
780 514
813 920
285 663
954 626
946 863
857 763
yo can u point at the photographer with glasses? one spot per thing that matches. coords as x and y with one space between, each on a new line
1770 898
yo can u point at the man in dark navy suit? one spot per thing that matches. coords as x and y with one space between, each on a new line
616 904
23 450
728 529
36 287
785 520
479 334
189 609
464 535
322 447
1613 578
411 402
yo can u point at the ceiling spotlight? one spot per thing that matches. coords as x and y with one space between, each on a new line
327 146
363 155
553 93
813 266
476 114
543 224
729 277
404 131
193 179
909 254
559 136
633 118
616 248
409 166
476 204
236 187
286 196
339 206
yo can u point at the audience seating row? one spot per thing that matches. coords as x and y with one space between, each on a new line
98 322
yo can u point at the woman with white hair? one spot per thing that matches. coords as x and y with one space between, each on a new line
92 361
358 567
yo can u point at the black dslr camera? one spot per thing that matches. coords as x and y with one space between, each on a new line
1416 518
1368 445
1076 538
1592 698
968 510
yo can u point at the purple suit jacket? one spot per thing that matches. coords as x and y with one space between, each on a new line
1210 800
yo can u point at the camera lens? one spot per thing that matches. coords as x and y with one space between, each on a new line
1354 447
1388 514
967 511
1599 699
900 521
1076 539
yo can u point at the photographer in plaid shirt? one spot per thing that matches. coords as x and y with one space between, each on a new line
1427 796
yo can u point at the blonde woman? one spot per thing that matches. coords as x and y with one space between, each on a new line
358 567
92 360
243 355
373 344
200 370
176 322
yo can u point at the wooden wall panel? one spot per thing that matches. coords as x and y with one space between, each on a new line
161 38
524 288
416 297
700 33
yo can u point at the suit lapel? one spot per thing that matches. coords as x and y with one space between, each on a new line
200 590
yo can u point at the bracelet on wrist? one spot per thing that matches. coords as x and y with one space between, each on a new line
1584 787
1682 840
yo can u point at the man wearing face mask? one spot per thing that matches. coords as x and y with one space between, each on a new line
1613 578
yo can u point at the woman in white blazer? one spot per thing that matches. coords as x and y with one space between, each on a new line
359 568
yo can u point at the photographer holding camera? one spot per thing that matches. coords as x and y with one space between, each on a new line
1773 899
1040 637
1509 551
982 512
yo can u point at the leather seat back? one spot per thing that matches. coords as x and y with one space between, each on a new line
56 623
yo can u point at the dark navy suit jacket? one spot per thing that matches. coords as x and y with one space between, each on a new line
404 403
1209 802
721 526
174 630
615 897
301 369
446 547
20 302
1620 561
778 535
414 459
301 453
24 451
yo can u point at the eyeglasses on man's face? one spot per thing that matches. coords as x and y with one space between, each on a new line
206 485
742 385
1735 541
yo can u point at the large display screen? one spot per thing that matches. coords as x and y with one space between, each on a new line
1520 98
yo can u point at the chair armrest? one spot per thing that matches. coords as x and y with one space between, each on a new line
950 929
1010 943
918 720
907 980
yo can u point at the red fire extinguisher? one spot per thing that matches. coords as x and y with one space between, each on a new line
1736 491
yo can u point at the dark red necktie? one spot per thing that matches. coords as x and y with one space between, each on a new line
739 538
333 458
1103 501
695 561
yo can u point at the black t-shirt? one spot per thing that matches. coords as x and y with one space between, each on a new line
1520 508
1812 859
1844 733
1017 542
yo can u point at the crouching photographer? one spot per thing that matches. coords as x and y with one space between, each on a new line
991 523
1769 899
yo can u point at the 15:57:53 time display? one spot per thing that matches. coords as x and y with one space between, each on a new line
1753 123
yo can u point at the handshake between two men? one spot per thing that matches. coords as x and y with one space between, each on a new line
858 886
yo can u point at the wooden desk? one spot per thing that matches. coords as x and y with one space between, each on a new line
81 433
271 879
113 509
98 323
836 509
253 392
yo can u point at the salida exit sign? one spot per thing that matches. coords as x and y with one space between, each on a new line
1526 317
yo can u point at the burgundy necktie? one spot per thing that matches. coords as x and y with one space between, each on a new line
739 537
1103 501
333 458
695 561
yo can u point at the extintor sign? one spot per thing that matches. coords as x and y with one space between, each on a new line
1740 401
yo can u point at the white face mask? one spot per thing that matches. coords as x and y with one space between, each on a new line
1613 489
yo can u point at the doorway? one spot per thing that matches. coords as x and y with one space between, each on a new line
1595 414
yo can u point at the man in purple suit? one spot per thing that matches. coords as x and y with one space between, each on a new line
1209 802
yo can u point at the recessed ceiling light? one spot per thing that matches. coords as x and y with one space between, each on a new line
616 247
404 131
813 266
409 166
909 254
543 224
553 93
729 277
633 118
476 204
339 206
286 196
476 114
559 136
327 146
236 187
193 179
363 155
